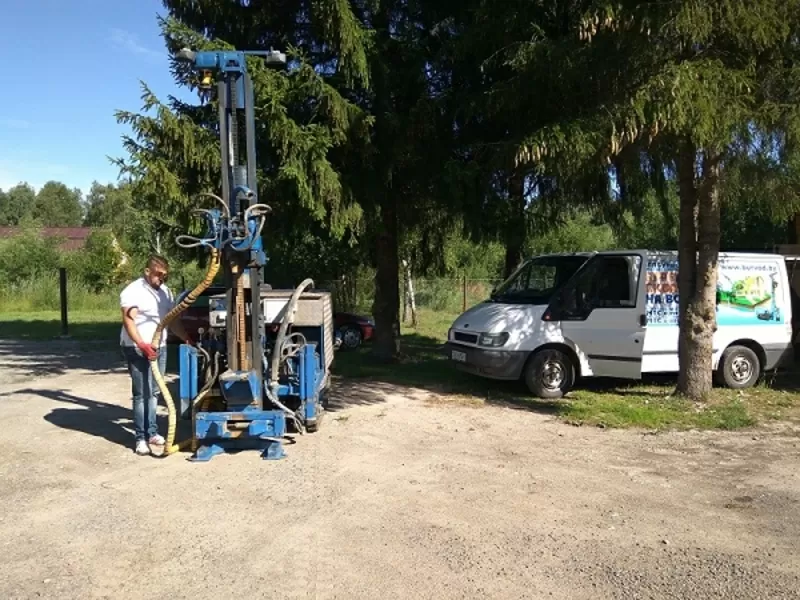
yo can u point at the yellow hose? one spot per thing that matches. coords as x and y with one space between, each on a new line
170 446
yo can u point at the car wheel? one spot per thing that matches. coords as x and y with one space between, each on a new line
739 368
549 374
351 337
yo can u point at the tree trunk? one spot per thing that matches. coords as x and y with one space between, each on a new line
411 301
697 277
516 226
386 308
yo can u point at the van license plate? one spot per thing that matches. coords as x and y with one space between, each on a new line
459 356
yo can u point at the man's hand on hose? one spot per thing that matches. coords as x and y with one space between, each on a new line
148 350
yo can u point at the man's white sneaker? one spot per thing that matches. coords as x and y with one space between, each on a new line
156 440
142 449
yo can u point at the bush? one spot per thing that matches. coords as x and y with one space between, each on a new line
99 264
27 256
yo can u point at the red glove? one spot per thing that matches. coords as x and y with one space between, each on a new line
148 350
189 341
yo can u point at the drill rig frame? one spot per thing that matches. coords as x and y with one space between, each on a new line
262 368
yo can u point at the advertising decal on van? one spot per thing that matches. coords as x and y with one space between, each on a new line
747 293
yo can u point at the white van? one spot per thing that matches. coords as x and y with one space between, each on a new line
615 314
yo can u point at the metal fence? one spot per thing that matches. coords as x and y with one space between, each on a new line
447 295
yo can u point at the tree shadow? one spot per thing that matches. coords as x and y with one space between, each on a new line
424 365
347 393
22 360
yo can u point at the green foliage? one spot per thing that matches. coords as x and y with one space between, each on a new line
55 205
300 120
655 226
457 135
58 206
16 204
97 265
29 265
579 233
27 257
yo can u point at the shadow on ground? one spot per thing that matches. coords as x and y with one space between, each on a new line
21 360
111 422
423 364
347 393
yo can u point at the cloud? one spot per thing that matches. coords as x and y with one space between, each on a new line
129 42
15 123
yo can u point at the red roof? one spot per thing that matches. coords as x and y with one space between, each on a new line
74 237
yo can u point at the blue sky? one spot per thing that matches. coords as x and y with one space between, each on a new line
68 65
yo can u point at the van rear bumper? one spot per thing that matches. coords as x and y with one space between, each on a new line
494 364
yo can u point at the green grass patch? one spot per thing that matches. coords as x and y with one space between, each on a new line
600 403
654 411
44 295
93 325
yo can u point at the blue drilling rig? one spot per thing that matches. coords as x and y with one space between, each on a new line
262 369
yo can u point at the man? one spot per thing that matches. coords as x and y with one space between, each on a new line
144 303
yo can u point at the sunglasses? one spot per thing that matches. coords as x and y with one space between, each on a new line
159 274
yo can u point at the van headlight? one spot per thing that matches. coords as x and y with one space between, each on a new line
493 340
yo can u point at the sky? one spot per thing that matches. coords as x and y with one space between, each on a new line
68 65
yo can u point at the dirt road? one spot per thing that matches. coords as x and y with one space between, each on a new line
398 496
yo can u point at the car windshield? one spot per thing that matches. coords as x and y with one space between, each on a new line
537 279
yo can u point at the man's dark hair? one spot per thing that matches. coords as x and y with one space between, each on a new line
157 259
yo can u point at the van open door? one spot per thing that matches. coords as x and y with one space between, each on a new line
602 313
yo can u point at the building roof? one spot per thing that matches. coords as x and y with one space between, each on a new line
74 238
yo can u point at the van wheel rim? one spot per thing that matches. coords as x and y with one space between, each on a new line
741 369
552 375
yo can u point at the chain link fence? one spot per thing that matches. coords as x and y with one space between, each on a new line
446 295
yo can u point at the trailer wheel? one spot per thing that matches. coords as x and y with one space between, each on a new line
549 374
739 368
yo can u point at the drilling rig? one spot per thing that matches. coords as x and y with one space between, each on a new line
262 369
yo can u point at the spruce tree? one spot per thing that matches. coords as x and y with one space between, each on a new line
696 77
348 138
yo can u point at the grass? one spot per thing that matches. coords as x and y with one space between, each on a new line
642 405
655 411
89 325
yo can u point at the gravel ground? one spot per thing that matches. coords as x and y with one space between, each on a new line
399 495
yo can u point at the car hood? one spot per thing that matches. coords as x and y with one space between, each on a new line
493 317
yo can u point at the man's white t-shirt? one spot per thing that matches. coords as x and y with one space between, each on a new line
152 304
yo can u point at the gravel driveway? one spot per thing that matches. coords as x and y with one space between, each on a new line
399 495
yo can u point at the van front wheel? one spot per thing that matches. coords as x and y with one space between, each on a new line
739 368
549 374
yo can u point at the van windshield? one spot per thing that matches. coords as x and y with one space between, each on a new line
537 279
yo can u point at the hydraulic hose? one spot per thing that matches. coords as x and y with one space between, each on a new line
271 387
287 317
170 446
203 398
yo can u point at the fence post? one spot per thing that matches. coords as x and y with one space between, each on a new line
464 293
62 284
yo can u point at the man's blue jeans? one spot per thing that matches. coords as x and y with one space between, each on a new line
144 390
